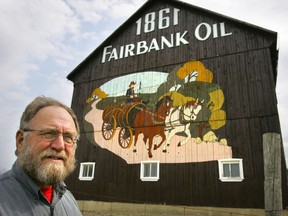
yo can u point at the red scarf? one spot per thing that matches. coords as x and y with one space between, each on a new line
48 193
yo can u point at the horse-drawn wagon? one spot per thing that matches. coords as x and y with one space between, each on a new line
121 116
134 118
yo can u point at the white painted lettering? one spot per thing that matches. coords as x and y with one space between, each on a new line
215 30
141 47
180 38
149 22
129 50
164 21
207 29
176 16
222 30
113 54
105 52
164 41
153 45
202 32
121 54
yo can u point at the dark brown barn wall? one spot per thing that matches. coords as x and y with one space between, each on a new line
242 66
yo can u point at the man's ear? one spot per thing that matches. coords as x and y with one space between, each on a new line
19 140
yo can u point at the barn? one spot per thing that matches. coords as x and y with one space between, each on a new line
174 107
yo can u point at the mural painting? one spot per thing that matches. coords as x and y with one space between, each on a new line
172 117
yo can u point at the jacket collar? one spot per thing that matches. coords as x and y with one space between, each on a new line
24 179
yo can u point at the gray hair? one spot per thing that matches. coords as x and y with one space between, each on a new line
41 102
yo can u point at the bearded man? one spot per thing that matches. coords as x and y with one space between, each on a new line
45 149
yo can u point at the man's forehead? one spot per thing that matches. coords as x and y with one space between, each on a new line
52 110
53 115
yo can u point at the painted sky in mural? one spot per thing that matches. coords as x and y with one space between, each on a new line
120 84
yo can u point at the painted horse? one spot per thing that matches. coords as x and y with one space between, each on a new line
179 120
152 123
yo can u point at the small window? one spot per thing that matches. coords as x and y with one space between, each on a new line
231 170
149 170
87 171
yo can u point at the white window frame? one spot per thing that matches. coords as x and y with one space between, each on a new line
142 170
230 161
86 178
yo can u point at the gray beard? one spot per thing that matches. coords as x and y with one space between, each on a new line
45 173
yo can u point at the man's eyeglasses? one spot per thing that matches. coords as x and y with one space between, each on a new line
52 134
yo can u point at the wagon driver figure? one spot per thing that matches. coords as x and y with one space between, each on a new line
130 93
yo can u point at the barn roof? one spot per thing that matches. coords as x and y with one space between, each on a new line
180 4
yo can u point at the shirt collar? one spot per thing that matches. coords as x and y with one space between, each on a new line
31 186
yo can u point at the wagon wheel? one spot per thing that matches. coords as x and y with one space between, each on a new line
125 137
109 128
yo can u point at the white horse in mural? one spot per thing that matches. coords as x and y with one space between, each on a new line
179 120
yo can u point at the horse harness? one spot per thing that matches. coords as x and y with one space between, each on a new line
181 117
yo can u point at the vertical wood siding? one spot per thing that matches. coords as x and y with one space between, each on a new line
242 67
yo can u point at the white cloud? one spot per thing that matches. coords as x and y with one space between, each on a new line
95 11
31 31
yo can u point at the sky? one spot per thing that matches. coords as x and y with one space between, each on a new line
42 41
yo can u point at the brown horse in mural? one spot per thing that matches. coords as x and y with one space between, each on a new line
152 123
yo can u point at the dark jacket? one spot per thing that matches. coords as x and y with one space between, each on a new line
130 92
19 195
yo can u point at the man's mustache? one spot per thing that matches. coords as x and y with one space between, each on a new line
54 155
